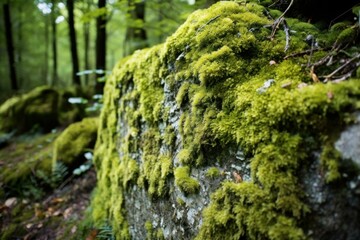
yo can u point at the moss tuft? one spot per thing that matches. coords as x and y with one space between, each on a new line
186 183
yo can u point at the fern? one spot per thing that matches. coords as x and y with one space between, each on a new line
106 232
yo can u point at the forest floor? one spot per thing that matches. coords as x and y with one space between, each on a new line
58 213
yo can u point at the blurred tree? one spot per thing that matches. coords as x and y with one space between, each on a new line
73 43
136 37
54 43
100 46
10 46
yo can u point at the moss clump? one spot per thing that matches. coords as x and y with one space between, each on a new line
212 68
213 172
186 183
76 139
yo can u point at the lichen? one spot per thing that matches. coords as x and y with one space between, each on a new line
214 64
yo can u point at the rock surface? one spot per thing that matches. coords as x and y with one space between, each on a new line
188 147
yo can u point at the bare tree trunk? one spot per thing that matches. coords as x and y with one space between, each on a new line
54 44
46 70
86 43
19 48
10 46
73 45
136 38
100 47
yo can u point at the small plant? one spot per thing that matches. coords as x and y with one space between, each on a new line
106 232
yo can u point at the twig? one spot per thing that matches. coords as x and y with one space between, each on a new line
279 20
287 34
327 77
303 53
344 77
210 21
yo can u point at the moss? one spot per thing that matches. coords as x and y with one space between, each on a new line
28 165
36 107
330 159
153 234
213 172
186 183
76 139
214 64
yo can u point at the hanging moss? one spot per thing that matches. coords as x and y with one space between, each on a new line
214 65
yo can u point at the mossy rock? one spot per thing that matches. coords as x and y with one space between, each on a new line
209 98
38 107
43 107
74 141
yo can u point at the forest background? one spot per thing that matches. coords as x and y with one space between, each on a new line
66 42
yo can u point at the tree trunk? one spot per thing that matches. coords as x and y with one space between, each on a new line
46 49
10 46
73 45
136 38
54 44
100 47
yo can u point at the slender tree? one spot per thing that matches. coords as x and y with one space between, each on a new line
10 46
136 36
54 43
73 45
100 46
86 30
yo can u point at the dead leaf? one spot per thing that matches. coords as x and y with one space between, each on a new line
92 234
313 75
302 85
56 213
29 225
11 202
57 200
238 178
67 212
286 85
40 225
73 229
330 95
272 62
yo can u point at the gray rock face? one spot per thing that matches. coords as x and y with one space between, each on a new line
349 143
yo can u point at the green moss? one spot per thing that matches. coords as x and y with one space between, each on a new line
153 234
213 172
330 159
76 139
186 183
214 64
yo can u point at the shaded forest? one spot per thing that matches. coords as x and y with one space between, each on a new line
61 43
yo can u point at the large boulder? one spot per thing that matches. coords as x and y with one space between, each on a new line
213 135
43 107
